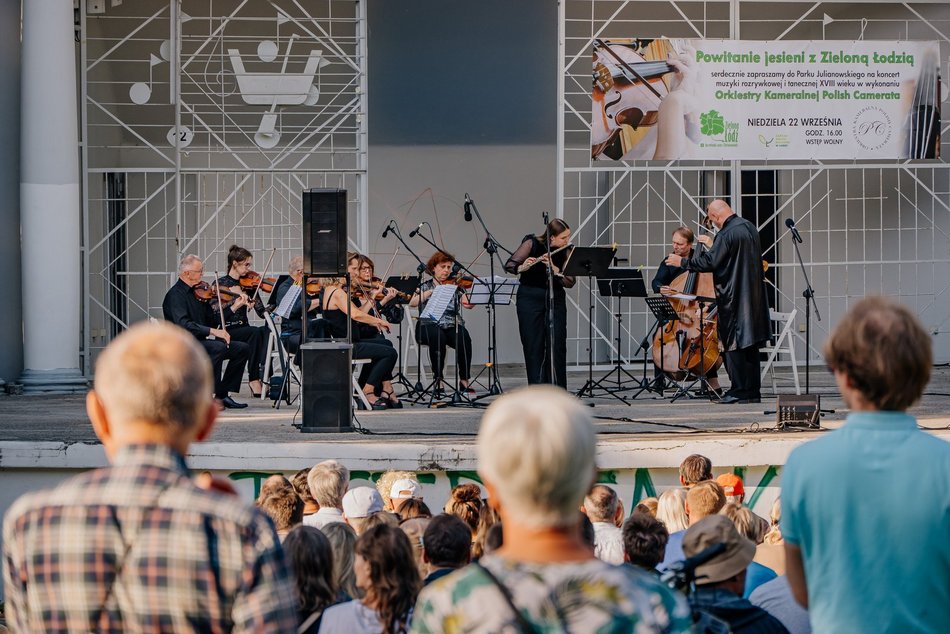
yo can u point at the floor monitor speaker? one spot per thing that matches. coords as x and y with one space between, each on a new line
327 380
324 231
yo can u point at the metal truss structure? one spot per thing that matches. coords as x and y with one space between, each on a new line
202 123
870 228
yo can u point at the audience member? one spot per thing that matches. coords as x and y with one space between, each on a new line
720 581
494 538
649 506
671 510
403 490
601 505
747 524
587 531
302 487
343 542
536 458
413 507
328 481
273 484
310 557
446 546
465 500
389 580
644 541
702 500
285 509
487 517
381 517
358 505
618 518
415 529
385 487
771 552
695 469
732 487
68 561
858 564
775 597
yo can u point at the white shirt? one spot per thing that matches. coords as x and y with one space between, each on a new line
323 517
608 543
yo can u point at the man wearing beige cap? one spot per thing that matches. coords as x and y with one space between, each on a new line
358 504
721 580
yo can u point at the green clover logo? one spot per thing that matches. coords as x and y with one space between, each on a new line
711 123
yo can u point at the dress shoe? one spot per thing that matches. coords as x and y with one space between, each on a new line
230 403
732 399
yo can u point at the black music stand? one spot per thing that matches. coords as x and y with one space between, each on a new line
404 284
701 377
663 313
619 283
589 262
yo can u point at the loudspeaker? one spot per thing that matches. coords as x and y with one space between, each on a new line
327 381
324 231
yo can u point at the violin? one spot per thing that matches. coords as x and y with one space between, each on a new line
251 280
627 92
462 281
376 291
205 292
313 286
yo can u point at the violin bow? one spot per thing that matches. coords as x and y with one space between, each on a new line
217 289
257 291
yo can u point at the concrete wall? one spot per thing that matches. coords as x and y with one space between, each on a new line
11 334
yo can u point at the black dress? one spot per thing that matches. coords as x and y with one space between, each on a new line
382 357
532 308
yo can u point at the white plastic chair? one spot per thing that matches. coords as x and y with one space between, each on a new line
782 342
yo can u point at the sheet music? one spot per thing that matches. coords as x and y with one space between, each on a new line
504 287
287 303
439 300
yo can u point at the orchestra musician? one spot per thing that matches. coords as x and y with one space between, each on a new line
682 244
373 298
290 325
450 329
240 261
529 262
382 357
735 260
182 308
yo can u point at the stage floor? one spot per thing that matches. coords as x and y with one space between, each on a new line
63 418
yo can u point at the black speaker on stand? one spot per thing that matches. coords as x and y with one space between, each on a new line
327 376
324 232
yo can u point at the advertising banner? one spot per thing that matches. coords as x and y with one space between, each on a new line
670 99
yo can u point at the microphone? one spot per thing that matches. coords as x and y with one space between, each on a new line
468 208
387 229
791 227
412 234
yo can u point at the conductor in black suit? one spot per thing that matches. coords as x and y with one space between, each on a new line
182 308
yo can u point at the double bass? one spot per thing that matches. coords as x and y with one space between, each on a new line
679 348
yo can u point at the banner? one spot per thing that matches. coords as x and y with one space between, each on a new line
672 99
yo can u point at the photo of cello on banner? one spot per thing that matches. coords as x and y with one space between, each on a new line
669 99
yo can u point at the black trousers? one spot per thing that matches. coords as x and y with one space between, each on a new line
256 339
744 373
382 358
380 339
236 355
437 338
533 325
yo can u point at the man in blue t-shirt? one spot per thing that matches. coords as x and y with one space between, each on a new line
859 565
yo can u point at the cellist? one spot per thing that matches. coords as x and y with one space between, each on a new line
682 244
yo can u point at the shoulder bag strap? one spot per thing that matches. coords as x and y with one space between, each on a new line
523 625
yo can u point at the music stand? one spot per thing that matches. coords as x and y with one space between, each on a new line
663 314
589 262
491 292
404 284
619 283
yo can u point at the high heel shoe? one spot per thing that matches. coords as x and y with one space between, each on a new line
390 399
253 393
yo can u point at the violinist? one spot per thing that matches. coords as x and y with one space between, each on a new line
682 244
735 260
449 330
382 357
235 316
290 325
182 307
529 262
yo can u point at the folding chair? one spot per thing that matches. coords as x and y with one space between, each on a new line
783 338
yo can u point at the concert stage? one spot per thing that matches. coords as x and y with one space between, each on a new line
640 444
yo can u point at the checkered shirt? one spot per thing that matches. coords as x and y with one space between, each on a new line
137 547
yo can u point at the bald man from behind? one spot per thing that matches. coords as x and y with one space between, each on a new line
137 545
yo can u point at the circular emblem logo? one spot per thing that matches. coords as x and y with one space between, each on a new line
872 128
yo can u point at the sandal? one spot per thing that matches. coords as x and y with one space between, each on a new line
390 399
378 405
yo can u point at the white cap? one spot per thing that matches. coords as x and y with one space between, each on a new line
362 502
404 489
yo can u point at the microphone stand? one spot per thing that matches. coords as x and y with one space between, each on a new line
550 272
418 388
809 295
458 398
491 245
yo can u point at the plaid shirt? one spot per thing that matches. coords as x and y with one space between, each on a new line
137 547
